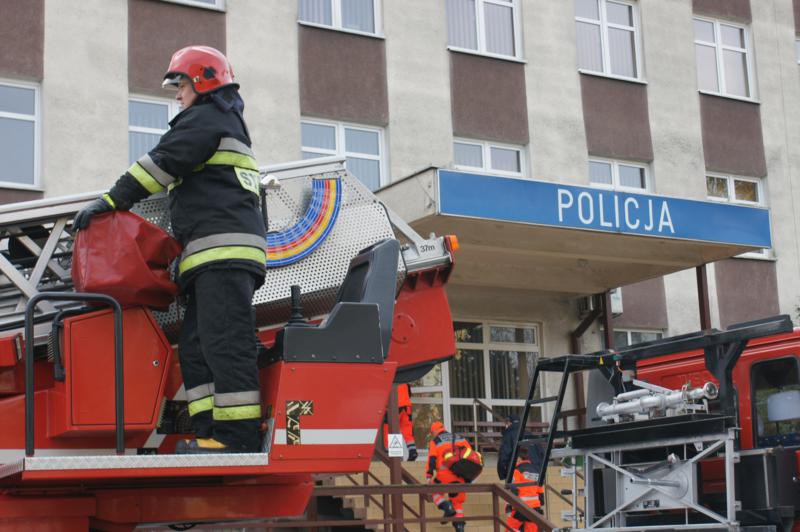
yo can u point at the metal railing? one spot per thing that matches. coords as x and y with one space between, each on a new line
398 522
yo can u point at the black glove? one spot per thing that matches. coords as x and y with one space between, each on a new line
412 452
84 215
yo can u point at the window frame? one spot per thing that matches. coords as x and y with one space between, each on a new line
341 142
730 178
615 184
219 5
486 155
753 405
628 331
604 47
486 347
336 20
797 50
719 47
173 109
36 118
480 29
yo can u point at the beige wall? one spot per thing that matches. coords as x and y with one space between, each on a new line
262 46
418 81
84 95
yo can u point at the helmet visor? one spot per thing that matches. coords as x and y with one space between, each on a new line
171 81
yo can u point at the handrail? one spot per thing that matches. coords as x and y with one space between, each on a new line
119 393
497 492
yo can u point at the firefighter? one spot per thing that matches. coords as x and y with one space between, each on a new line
406 424
205 164
525 473
442 443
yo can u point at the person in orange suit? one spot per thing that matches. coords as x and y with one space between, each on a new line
525 473
406 425
442 444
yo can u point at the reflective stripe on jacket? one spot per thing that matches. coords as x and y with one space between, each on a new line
526 472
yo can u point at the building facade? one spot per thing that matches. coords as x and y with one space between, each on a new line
458 112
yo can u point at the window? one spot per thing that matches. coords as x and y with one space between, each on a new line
361 16
608 37
487 157
626 337
362 146
148 119
723 59
19 135
618 174
486 26
776 402
734 189
797 50
218 5
494 362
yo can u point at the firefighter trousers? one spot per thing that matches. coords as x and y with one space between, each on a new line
456 498
218 357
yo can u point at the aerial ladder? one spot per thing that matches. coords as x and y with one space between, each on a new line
91 396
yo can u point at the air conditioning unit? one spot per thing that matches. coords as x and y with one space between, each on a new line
587 304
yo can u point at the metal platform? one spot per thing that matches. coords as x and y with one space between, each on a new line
92 467
651 430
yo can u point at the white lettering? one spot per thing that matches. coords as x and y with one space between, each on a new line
666 219
562 204
586 220
649 226
603 221
616 211
628 203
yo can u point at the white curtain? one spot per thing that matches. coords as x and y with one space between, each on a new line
317 11
461 24
590 55
358 15
499 29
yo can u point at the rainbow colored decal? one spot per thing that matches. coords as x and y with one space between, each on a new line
298 241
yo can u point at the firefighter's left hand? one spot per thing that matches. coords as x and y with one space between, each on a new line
412 455
84 215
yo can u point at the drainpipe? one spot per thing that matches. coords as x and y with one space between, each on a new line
702 297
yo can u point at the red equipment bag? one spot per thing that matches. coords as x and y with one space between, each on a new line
464 462
126 257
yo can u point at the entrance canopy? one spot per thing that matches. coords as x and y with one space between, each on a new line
535 235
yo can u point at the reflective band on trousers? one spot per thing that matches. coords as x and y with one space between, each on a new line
236 413
237 398
224 239
222 253
201 405
199 392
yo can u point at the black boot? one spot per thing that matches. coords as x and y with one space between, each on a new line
459 526
447 508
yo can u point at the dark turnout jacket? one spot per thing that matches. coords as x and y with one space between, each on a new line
205 164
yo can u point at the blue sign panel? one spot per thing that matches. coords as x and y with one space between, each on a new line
553 204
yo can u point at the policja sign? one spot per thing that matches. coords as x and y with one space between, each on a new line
395 446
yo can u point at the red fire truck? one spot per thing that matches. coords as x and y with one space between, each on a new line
91 397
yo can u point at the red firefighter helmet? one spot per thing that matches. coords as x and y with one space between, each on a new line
205 67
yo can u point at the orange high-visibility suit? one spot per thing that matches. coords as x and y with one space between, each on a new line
442 444
406 425
525 472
